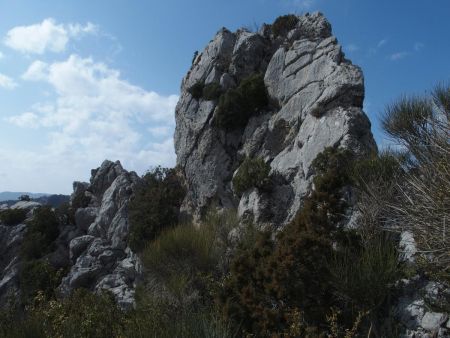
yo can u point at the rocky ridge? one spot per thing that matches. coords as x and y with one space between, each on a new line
94 248
316 99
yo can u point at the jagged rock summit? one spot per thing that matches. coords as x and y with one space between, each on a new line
100 257
315 101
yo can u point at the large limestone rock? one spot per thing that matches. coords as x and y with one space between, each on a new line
99 256
316 99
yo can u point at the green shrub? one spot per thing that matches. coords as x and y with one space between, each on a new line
163 319
155 206
196 90
38 275
65 214
377 169
212 91
41 233
25 198
230 111
182 250
254 91
237 105
283 24
82 314
12 217
364 276
253 173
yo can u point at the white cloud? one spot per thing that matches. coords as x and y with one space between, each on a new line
77 30
28 119
36 71
96 115
6 82
45 36
398 56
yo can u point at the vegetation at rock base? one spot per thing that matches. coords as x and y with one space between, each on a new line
237 105
283 24
38 276
13 216
155 206
274 279
253 173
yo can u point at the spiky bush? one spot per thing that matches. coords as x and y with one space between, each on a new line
364 275
421 126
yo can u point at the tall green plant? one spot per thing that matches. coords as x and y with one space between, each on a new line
155 206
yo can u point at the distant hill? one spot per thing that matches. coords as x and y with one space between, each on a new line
9 195
51 200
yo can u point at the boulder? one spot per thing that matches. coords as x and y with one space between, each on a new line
432 321
84 217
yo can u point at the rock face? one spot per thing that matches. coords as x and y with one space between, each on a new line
316 99
99 256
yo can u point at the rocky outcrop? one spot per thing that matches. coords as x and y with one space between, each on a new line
10 243
94 249
100 257
316 97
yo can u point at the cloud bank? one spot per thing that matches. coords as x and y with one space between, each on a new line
95 114
46 36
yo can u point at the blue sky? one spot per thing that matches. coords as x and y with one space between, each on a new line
81 81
